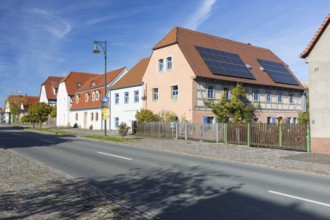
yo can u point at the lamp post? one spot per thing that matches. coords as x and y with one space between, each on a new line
103 44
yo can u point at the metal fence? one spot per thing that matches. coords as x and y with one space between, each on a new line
284 136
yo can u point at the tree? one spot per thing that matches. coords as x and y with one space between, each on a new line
236 108
53 112
303 117
146 115
15 103
39 113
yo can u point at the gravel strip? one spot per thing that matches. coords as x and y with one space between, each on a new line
29 190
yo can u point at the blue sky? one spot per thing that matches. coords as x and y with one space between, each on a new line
41 38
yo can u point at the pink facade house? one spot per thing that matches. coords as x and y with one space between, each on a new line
187 67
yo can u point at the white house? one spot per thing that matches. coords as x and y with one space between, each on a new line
48 91
317 55
67 87
86 109
127 95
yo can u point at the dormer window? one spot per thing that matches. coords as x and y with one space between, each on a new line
169 63
77 99
79 84
160 65
93 84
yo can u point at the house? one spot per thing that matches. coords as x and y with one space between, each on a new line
317 55
23 102
127 95
187 67
86 109
66 90
49 89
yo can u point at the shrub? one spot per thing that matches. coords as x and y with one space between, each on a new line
123 129
146 115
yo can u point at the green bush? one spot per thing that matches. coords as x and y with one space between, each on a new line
123 129
146 115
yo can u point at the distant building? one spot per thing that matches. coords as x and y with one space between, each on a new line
24 102
86 107
49 89
186 67
127 95
317 55
66 90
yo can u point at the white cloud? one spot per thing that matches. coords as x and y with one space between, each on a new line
201 15
50 23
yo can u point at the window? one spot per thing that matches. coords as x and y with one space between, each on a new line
92 116
93 96
270 120
255 120
294 120
291 96
136 96
116 122
210 92
117 98
288 120
86 97
96 116
268 96
227 93
208 120
126 97
97 95
279 97
77 99
169 63
175 92
255 95
160 65
76 116
155 94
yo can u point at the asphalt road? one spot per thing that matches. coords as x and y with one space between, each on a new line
174 186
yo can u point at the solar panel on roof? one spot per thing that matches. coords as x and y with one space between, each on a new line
224 63
278 72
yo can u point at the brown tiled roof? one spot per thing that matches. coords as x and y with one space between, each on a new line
98 81
31 100
187 40
74 78
316 37
94 84
134 76
50 83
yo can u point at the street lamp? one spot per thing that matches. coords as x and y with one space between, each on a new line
105 100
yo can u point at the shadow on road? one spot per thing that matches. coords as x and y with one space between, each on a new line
175 193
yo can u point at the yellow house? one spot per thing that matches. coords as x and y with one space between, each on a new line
187 67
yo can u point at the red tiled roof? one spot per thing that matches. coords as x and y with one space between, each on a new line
94 84
134 76
74 78
316 37
50 83
187 40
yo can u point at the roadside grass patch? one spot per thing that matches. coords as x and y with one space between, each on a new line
55 131
108 138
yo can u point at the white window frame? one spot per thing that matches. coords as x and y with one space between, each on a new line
77 99
116 120
86 97
169 60
161 65
116 98
175 92
136 96
210 92
279 97
291 98
256 95
268 96
126 97
155 94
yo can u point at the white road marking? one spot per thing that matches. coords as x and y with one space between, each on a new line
112 155
300 198
51 142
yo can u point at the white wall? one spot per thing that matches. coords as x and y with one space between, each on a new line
125 111
84 119
43 95
63 106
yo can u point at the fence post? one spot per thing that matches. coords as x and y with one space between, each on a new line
248 135
308 139
280 134
217 133
225 133
176 130
186 131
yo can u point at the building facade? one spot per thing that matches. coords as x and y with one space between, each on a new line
49 89
317 55
187 67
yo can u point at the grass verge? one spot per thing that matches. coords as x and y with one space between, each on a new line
108 138
55 131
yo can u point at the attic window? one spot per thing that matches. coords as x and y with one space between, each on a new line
79 84
93 83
